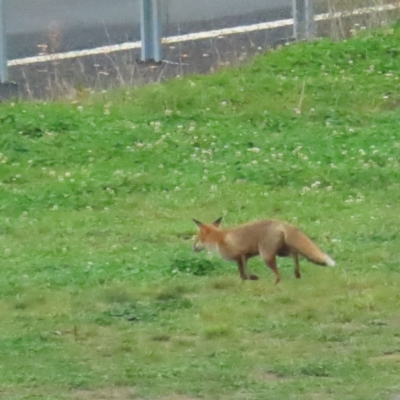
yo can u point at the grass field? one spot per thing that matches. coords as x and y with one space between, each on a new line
101 296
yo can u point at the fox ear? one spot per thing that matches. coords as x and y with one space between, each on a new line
217 222
198 223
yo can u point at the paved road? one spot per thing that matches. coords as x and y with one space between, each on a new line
79 24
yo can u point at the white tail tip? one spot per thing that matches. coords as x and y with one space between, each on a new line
330 262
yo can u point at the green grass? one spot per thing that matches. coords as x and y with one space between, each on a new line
101 295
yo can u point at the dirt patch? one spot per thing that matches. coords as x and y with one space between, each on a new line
269 376
120 393
272 377
114 393
177 397
389 357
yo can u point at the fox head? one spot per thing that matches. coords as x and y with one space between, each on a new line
205 234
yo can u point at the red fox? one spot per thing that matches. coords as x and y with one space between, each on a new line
267 238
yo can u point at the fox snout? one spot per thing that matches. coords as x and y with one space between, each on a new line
198 247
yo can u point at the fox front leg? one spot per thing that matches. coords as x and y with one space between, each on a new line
297 273
242 262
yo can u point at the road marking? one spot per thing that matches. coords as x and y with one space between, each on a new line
195 36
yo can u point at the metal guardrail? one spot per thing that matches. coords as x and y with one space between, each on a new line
150 30
303 19
3 45
151 36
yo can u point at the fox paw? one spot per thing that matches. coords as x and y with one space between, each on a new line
251 277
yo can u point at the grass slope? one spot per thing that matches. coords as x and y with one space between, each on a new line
100 294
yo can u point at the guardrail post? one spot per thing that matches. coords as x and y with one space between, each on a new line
150 30
3 44
303 19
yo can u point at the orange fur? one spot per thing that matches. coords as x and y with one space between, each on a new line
267 238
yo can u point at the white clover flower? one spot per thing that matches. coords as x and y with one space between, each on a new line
297 149
315 184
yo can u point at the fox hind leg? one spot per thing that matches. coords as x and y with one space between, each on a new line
270 260
268 251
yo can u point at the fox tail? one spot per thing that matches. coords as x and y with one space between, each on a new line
307 248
